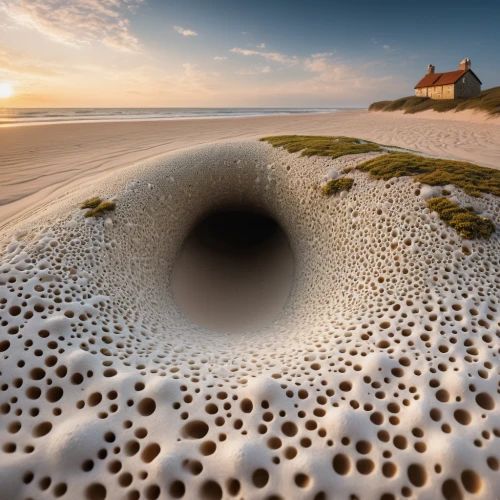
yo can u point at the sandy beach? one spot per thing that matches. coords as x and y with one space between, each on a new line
40 162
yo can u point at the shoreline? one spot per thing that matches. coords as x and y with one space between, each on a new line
172 118
38 164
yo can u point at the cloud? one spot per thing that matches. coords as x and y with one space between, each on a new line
142 75
337 79
387 46
35 98
17 65
322 55
192 70
261 46
77 22
185 32
254 70
220 58
321 74
195 80
321 77
270 56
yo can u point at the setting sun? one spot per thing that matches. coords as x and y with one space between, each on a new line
5 90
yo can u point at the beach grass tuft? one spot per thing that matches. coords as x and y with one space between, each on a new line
335 185
468 224
91 203
347 170
473 179
311 145
99 209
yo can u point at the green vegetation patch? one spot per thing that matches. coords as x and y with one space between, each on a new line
379 105
335 185
97 207
487 101
91 203
463 220
473 179
312 145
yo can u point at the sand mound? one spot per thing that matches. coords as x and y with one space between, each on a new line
374 376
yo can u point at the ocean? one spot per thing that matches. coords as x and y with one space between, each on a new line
32 116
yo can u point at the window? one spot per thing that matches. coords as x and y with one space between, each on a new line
463 80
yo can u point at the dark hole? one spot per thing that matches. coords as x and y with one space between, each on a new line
234 272
235 232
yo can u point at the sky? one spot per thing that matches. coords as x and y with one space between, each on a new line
235 53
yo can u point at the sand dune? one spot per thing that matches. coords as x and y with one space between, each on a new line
38 163
468 115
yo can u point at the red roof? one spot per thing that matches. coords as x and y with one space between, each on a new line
443 78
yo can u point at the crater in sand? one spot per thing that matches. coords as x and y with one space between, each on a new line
234 272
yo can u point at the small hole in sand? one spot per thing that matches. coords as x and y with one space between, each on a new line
196 429
341 464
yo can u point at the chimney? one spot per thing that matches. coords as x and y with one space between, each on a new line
430 69
465 64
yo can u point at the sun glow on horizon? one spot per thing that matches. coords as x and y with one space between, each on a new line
6 90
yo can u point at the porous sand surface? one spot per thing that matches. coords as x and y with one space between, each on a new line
378 379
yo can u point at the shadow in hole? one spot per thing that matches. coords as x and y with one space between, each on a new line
234 272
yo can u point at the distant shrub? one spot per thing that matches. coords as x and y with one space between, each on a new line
399 104
335 185
378 106
424 103
487 101
445 105
468 224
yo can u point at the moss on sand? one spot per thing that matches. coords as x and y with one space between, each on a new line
468 224
473 179
97 207
335 185
91 203
311 145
